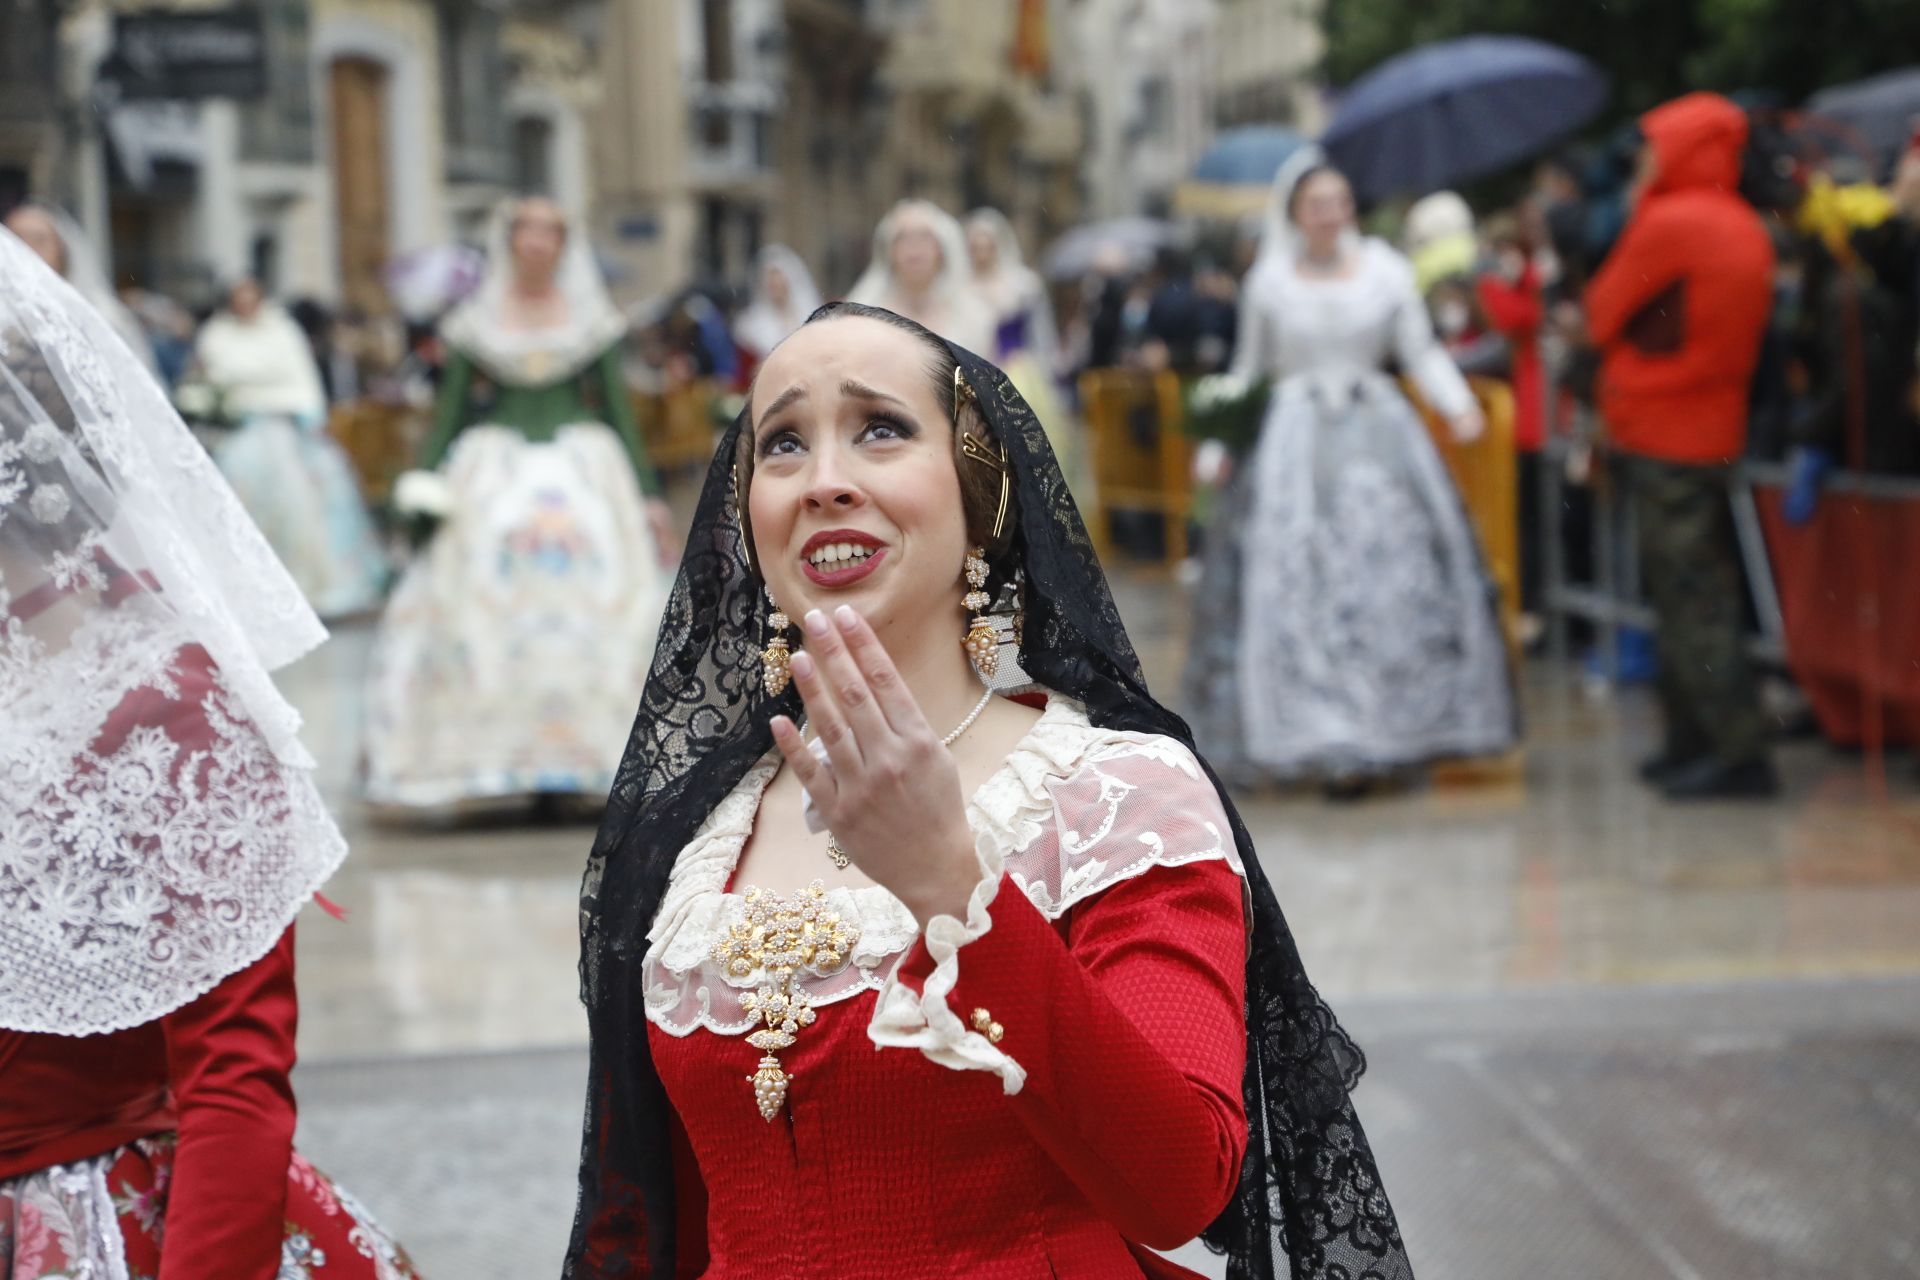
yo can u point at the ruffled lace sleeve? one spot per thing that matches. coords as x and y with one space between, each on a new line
1076 811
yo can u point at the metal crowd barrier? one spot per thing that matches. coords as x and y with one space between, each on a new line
1612 600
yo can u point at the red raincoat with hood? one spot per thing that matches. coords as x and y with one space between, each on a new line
1680 305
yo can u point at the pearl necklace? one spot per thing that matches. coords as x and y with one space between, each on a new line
837 855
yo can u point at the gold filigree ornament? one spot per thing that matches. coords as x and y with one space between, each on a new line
982 642
781 936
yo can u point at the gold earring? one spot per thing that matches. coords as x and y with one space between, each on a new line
776 662
983 642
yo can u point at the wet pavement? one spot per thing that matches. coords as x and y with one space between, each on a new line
1610 1037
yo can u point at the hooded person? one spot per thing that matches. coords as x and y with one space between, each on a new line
1026 340
527 620
784 295
1678 311
921 269
160 829
802 957
1347 630
53 234
295 479
1439 239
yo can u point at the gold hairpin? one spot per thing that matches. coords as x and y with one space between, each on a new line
962 391
973 447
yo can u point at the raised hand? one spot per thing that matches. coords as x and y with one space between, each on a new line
892 795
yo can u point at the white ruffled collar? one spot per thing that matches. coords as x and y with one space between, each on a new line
1051 746
685 989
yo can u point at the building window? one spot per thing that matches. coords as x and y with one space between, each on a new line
472 69
717 23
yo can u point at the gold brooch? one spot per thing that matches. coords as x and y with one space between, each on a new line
781 936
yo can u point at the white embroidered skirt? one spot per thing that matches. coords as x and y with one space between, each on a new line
511 658
1366 635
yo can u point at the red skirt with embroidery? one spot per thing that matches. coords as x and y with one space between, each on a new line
85 1217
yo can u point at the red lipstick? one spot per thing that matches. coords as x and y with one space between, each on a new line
853 572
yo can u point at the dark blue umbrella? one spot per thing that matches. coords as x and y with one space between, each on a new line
1450 112
1247 156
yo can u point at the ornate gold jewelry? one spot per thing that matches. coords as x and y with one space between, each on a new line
978 450
983 1023
983 642
776 661
782 936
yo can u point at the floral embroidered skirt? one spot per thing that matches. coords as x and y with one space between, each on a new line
1344 625
106 1217
513 652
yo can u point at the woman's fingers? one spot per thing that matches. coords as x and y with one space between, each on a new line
814 776
890 693
824 716
848 683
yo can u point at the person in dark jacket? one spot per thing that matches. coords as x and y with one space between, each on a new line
1678 311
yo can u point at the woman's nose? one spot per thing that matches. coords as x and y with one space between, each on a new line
831 485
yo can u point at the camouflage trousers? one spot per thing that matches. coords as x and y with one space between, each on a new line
1689 564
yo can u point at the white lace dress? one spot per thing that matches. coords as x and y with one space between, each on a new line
875 1159
1348 625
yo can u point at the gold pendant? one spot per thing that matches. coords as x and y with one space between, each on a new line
769 1087
835 854
781 936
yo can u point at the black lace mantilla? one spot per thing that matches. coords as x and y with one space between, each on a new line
1309 1205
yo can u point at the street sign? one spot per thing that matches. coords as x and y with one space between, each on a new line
188 55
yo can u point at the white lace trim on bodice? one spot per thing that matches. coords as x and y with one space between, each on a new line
1075 809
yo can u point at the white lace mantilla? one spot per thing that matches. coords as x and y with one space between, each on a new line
1074 810
133 879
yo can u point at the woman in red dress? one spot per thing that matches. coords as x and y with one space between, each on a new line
892 976
159 830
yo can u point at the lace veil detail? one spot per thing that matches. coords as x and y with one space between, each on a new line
159 827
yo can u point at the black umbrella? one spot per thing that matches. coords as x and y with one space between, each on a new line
1449 112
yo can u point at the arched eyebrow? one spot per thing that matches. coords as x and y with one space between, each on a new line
792 395
855 390
851 388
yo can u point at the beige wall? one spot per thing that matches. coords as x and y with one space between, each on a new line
1268 54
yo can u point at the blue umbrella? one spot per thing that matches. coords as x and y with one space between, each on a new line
1230 182
1449 112
1247 156
1883 109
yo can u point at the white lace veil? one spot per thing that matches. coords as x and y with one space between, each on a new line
1279 237
480 326
159 827
965 315
762 325
85 273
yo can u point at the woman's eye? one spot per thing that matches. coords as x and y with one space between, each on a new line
778 443
886 429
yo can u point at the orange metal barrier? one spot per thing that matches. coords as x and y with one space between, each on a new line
677 426
380 439
1139 454
1486 473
